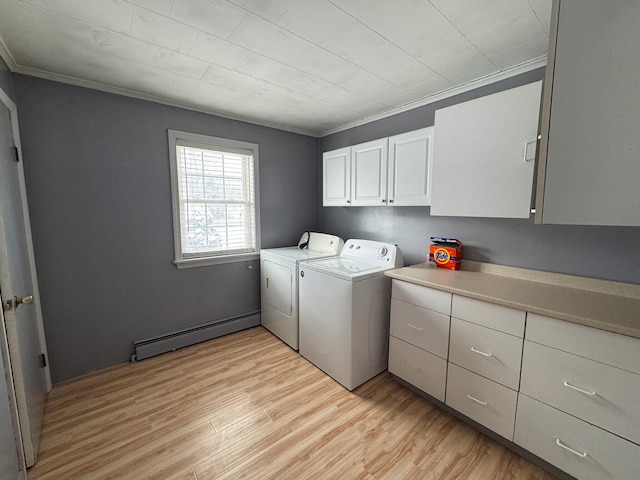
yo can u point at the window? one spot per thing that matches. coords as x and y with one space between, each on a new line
214 183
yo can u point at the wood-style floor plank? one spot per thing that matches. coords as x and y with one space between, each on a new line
247 406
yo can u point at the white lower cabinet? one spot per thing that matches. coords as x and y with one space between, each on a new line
485 401
565 392
573 445
578 407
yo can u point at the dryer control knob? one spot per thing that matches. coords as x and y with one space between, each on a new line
383 251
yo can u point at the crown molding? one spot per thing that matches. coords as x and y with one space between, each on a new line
153 98
450 92
5 54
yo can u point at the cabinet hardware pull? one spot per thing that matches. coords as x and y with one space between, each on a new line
476 400
267 282
586 392
560 444
417 328
484 354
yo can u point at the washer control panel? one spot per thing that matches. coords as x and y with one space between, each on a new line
370 250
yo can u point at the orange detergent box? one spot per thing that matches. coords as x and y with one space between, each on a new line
446 252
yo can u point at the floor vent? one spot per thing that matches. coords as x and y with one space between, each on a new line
150 347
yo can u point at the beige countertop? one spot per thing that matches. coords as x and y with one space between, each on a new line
611 306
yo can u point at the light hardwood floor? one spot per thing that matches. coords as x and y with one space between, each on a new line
247 406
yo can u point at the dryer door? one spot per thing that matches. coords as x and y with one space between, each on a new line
277 287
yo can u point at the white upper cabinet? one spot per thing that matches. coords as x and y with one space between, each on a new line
589 171
336 175
410 163
369 173
484 155
389 171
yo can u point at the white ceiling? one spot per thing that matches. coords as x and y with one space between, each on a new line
311 66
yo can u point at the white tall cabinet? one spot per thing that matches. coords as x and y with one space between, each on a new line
389 171
484 155
590 148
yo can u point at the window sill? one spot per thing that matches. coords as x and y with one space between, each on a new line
203 262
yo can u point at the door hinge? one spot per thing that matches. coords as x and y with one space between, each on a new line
43 360
7 305
16 154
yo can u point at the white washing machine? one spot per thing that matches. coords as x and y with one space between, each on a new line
345 306
279 282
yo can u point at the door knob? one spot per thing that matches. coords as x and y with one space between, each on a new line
16 301
26 300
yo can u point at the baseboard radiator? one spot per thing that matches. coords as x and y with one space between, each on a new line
150 347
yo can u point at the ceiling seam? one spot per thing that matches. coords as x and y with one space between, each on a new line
387 39
465 37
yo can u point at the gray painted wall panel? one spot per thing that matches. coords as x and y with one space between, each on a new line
97 171
611 253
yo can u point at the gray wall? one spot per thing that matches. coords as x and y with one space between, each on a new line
97 172
603 252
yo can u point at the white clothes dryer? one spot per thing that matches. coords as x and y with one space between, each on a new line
279 282
345 306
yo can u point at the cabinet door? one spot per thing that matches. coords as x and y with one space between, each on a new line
410 168
591 171
484 155
336 178
369 173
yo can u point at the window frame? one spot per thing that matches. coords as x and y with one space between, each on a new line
178 138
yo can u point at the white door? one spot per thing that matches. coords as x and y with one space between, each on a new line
21 322
369 173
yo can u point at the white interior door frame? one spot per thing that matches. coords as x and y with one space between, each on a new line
15 131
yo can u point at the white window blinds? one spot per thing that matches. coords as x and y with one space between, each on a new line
216 200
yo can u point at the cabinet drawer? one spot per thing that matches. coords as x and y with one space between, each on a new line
498 317
489 353
609 396
421 327
611 348
597 455
486 402
419 368
430 298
